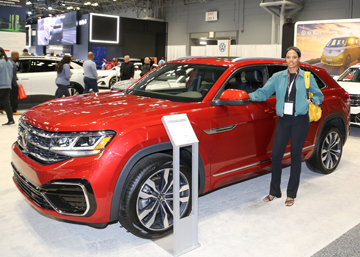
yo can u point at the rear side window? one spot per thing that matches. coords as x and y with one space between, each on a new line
43 65
276 68
24 66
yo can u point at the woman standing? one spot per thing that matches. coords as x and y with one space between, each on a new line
292 109
63 77
6 75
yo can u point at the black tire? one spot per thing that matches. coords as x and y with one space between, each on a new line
327 153
112 81
144 211
75 89
347 61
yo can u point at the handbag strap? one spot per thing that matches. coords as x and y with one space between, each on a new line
307 83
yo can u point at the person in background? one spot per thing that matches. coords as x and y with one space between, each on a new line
162 60
63 77
292 109
6 74
145 68
127 69
14 85
90 74
110 65
42 54
118 62
52 54
25 52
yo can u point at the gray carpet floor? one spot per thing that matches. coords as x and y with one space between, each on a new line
233 221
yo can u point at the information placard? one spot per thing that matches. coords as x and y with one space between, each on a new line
179 130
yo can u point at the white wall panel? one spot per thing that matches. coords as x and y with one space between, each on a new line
174 52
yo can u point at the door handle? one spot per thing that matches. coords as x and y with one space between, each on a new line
24 79
270 110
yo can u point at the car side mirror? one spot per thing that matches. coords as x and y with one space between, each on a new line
234 97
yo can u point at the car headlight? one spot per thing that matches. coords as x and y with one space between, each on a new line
79 144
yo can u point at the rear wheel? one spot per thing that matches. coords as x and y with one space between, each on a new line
75 89
327 153
146 208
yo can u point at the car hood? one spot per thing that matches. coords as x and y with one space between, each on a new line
98 111
353 88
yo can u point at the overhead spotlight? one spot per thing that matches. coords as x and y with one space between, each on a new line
63 4
29 13
50 14
69 7
50 8
95 4
28 3
77 8
87 3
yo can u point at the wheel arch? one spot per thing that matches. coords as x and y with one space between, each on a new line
77 85
162 147
336 119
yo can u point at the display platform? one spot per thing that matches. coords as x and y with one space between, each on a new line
233 221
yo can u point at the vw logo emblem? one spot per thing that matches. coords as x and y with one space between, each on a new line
303 32
222 47
24 137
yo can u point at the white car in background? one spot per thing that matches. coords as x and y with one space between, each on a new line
350 81
37 75
107 78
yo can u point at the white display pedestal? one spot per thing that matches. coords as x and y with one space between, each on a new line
185 235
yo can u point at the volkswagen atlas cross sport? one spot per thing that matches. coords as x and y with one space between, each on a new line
106 157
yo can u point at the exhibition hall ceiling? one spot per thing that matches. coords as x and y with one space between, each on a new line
45 8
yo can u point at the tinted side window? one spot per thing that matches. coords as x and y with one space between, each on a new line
24 66
319 82
275 68
43 65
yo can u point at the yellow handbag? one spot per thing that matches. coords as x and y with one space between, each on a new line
314 111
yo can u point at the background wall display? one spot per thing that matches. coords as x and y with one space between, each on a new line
104 28
12 41
12 15
331 44
57 30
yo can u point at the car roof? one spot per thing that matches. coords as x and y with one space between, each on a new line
41 57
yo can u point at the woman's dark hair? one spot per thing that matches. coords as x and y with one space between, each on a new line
3 54
297 50
65 60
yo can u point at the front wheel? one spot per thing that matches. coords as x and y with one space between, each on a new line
112 81
328 151
146 208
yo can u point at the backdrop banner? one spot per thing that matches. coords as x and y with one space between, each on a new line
12 15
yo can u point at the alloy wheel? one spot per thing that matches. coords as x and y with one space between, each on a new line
154 204
331 150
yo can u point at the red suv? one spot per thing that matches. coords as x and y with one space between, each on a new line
105 157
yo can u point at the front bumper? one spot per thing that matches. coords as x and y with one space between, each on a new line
334 61
78 189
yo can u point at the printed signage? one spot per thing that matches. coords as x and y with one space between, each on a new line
211 16
330 44
12 15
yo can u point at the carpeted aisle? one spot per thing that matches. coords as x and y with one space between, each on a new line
233 221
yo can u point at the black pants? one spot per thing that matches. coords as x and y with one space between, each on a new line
62 90
14 97
5 101
295 128
90 83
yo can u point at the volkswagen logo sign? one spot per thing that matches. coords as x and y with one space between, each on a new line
24 138
222 47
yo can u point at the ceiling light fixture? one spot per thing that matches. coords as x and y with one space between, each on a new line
95 4
87 3
28 3
50 8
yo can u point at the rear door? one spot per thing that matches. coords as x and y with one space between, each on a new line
24 75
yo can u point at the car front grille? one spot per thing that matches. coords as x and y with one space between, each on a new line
355 100
31 191
35 143
72 197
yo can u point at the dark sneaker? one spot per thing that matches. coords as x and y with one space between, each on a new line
9 123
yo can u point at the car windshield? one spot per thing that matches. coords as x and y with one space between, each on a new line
350 75
336 42
179 82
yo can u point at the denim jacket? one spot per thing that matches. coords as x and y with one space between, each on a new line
278 83
6 73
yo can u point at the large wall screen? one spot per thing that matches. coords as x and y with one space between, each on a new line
57 30
104 28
